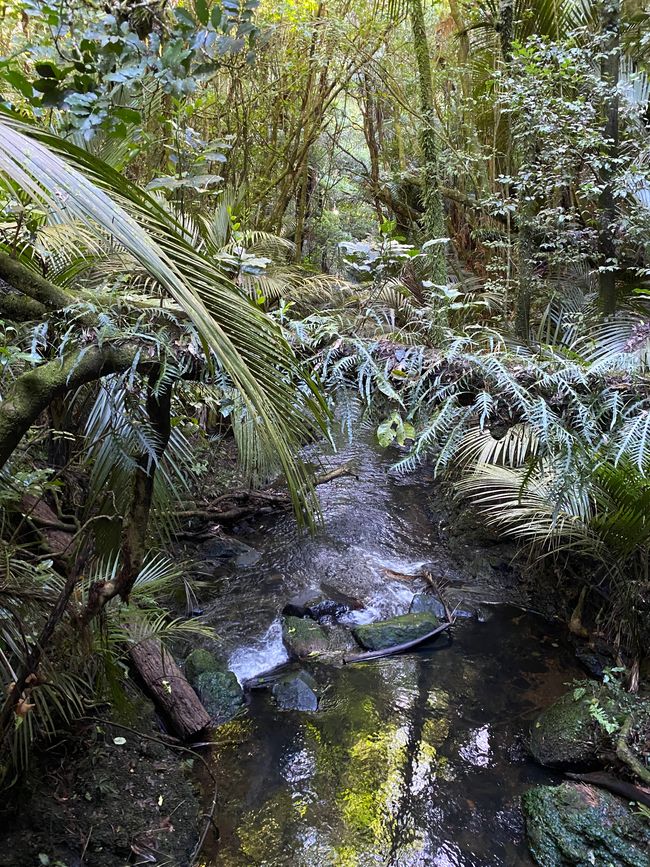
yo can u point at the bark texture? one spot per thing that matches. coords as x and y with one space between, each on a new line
433 220
169 689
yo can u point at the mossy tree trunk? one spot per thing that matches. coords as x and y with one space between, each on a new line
433 220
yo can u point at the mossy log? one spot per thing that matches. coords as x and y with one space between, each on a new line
33 391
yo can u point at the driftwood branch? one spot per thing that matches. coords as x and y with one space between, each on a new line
237 505
625 754
398 648
605 781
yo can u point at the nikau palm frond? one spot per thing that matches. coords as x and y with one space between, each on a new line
246 343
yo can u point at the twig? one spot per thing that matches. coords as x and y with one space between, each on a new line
83 851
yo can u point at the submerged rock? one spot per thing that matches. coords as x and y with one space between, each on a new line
577 824
218 688
224 549
397 630
296 691
569 733
320 603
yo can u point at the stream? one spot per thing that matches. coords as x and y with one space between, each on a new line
417 759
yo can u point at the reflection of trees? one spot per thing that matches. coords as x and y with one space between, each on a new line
347 783
422 733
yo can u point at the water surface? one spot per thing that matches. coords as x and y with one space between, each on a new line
416 759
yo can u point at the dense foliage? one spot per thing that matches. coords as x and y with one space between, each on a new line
232 221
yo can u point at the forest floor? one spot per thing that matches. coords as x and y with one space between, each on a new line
105 797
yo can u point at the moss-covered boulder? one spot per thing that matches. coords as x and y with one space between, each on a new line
198 661
577 824
218 688
303 637
221 694
306 639
397 630
578 727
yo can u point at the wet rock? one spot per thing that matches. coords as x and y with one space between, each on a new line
396 630
218 688
224 549
303 637
568 733
582 825
296 691
425 603
593 661
198 661
429 604
221 694
320 603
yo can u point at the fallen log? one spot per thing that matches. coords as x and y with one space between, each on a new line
398 648
168 688
605 781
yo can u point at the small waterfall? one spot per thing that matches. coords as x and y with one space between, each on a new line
265 654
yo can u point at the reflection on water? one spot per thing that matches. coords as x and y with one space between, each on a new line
411 760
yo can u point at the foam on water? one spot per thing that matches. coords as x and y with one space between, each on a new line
265 654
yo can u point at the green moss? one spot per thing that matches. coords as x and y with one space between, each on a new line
303 637
397 630
568 732
198 661
220 693
580 825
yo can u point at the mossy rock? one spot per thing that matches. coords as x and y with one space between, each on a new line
568 733
221 694
304 637
199 661
576 824
397 630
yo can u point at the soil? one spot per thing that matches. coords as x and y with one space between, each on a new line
105 797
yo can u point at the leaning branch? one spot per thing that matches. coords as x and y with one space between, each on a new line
33 391
237 505
398 648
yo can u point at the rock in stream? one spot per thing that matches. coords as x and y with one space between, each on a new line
397 630
577 824
218 688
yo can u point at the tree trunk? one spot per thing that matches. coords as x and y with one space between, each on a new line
433 221
33 391
610 70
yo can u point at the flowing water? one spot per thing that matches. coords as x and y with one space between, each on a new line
417 759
